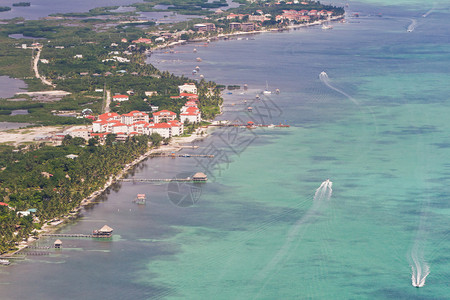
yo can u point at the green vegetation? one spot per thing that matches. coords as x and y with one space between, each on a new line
43 178
4 8
81 56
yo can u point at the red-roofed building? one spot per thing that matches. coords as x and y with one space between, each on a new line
163 129
3 204
109 116
189 95
142 41
120 98
177 127
164 115
134 116
138 127
191 114
118 127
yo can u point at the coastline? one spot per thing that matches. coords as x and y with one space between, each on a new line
174 146
240 33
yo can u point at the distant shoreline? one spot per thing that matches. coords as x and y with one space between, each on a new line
240 33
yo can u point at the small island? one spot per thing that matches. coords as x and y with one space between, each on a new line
5 8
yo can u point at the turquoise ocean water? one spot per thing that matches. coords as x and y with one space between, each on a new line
268 224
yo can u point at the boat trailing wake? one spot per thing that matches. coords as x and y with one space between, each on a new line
419 266
412 26
324 78
430 11
321 196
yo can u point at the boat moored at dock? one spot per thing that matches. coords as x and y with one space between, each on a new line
140 199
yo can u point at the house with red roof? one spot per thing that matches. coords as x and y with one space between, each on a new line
117 127
164 115
109 116
142 41
177 127
163 129
134 116
137 122
191 114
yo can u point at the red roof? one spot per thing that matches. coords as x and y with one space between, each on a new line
164 112
161 125
134 113
119 124
101 122
120 96
175 123
3 204
139 122
188 95
100 134
190 103
106 116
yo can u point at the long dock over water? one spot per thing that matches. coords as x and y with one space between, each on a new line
180 155
78 235
248 125
156 179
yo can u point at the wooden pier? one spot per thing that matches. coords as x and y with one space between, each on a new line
156 179
77 235
197 177
180 155
249 125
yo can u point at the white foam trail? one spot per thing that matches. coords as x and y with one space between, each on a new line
419 266
323 193
412 26
324 78
430 11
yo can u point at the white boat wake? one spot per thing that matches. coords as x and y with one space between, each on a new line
322 195
412 26
324 78
430 11
419 266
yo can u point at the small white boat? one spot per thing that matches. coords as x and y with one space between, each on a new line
327 27
267 91
4 262
271 126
